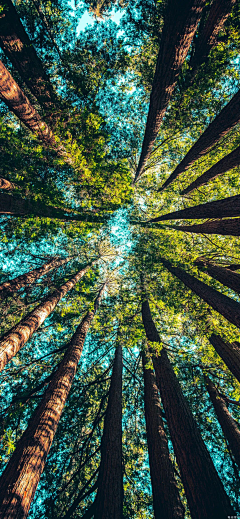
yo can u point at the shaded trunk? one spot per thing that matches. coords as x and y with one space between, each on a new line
9 287
226 306
229 426
15 338
166 499
217 209
226 276
204 491
228 227
6 184
225 164
220 126
229 353
181 21
17 206
109 498
19 481
20 51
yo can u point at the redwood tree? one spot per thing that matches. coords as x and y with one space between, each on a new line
230 353
229 226
226 276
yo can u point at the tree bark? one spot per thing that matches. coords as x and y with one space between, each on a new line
229 426
20 51
17 206
9 287
204 491
109 498
15 338
226 276
225 164
181 21
19 481
6 184
224 305
229 353
166 499
217 209
220 126
228 227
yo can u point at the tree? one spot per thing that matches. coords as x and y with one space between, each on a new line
229 353
229 226
28 460
226 276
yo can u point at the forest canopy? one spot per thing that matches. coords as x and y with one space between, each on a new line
120 262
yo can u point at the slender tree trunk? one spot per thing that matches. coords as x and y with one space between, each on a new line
226 276
181 21
228 227
15 338
166 499
229 426
20 51
225 164
229 353
220 126
204 491
17 206
19 481
226 306
6 184
9 287
217 209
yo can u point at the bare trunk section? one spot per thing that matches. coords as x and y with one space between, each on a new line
217 209
220 126
6 184
9 287
18 206
228 227
204 491
19 481
166 499
229 426
226 276
180 25
225 164
109 498
229 353
15 338
20 51
226 306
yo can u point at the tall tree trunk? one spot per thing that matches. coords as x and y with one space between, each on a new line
229 353
166 499
222 166
217 209
207 39
220 126
9 287
18 103
226 276
226 306
15 338
229 426
19 481
181 21
6 184
20 51
18 206
204 491
228 227
109 498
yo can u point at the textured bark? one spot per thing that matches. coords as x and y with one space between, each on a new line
229 426
17 206
226 276
229 227
15 338
204 491
226 306
19 481
220 126
217 209
207 39
9 287
229 353
20 51
109 498
180 25
166 499
225 164
6 184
